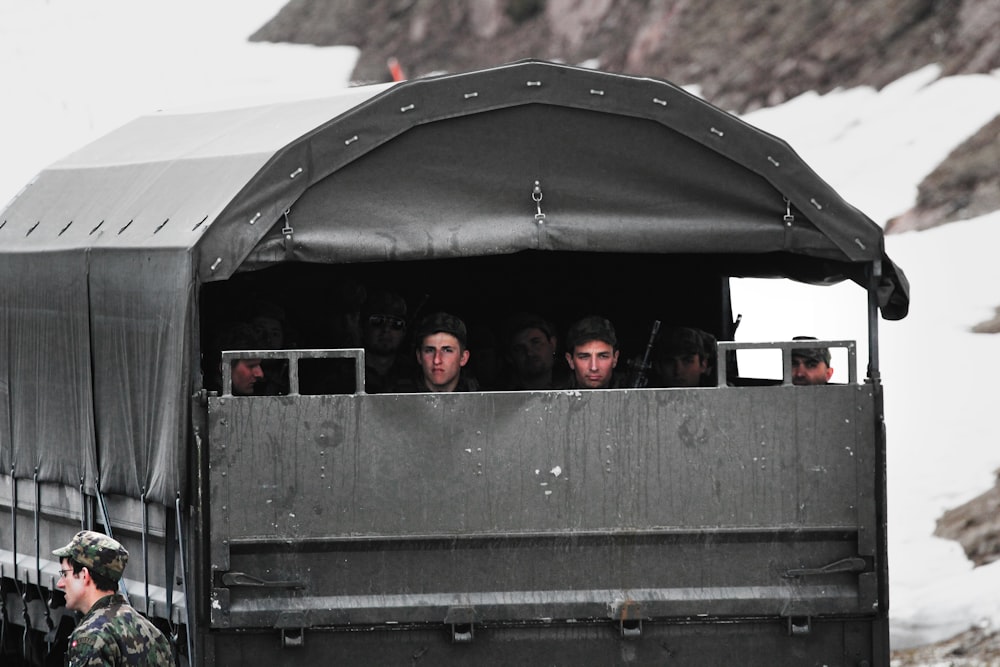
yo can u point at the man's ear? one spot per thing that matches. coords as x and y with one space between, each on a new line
464 359
614 359
829 373
569 360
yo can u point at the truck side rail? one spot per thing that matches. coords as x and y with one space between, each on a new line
294 357
786 347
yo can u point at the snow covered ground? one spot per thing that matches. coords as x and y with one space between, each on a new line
73 71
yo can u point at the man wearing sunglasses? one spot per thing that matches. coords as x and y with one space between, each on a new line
383 329
111 632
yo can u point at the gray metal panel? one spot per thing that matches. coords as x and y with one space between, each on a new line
367 509
695 643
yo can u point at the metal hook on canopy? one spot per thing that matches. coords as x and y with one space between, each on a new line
789 218
536 196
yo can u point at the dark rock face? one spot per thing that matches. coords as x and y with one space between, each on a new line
744 54
964 186
976 526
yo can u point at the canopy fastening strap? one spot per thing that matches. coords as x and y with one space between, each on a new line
788 221
287 232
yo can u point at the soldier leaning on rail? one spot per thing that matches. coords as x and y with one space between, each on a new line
111 632
810 365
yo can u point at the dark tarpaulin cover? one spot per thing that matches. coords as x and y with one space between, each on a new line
102 254
45 368
141 349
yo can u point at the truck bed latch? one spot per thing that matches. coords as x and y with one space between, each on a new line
855 564
244 579
462 622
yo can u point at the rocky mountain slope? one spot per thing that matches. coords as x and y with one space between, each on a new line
743 54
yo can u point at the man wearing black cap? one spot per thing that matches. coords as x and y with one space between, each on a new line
593 353
810 365
111 632
441 341
684 357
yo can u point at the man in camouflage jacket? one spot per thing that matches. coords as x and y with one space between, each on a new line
111 632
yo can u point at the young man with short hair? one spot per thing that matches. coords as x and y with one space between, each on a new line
441 341
111 632
592 353
245 373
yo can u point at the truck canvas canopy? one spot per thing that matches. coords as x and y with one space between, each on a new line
104 253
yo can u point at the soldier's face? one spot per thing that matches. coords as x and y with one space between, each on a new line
383 334
246 372
682 370
810 371
72 586
271 330
441 357
532 352
593 363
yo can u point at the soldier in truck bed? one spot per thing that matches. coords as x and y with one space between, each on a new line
441 343
810 365
531 347
592 354
684 358
247 374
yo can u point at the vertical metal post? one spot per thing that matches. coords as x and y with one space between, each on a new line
188 607
107 526
145 546
874 279
49 625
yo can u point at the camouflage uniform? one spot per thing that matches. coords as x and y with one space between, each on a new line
111 632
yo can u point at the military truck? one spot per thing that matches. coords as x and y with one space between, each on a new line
742 523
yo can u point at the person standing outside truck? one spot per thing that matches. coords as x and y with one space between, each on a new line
111 632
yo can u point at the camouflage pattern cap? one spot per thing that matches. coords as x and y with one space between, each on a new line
97 552
814 353
441 323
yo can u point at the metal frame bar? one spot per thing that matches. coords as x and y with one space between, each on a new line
786 347
293 357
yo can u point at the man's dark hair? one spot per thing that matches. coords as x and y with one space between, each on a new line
592 327
102 582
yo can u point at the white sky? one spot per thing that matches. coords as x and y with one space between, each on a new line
72 71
